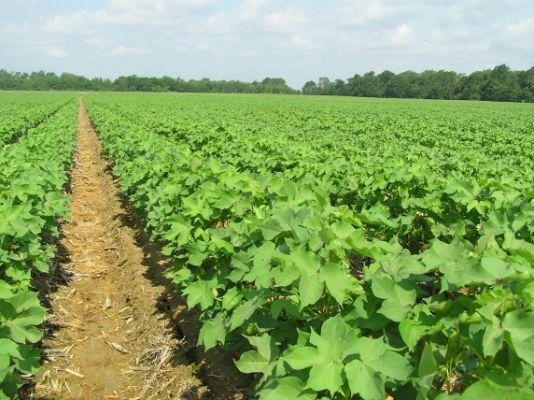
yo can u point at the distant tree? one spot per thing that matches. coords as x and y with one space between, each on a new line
339 87
309 87
371 85
323 82
354 87
120 84
498 84
526 84
470 87
385 76
180 85
274 85
438 84
404 85
502 85
8 81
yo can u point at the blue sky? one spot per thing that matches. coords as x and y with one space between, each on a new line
250 39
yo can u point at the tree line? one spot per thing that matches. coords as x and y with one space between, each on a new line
497 84
50 81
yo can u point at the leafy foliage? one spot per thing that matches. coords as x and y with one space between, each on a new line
20 112
352 253
32 180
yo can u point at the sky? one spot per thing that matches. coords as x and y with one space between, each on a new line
249 40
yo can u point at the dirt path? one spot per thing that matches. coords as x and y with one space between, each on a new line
110 341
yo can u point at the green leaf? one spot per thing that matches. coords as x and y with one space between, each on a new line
427 363
22 333
520 325
264 254
179 231
310 289
9 347
212 331
365 381
498 268
370 349
231 299
29 361
5 290
200 292
342 229
284 305
243 312
251 362
492 339
392 365
4 363
411 332
337 280
265 346
456 263
337 340
23 313
289 387
326 376
303 357
399 297
525 349
463 191
488 390
306 261
447 396
26 301
271 229
225 201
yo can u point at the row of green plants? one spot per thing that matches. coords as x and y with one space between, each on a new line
19 112
33 175
339 282
295 136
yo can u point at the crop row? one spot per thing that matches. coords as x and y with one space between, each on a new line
33 174
406 189
294 137
410 283
21 112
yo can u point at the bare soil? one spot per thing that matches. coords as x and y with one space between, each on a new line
108 340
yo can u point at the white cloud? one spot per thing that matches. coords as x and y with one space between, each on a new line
250 39
96 41
285 20
521 27
402 34
250 8
157 5
302 43
361 13
55 52
259 16
120 13
455 13
128 51
202 46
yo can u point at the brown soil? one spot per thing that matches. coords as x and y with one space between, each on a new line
109 341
